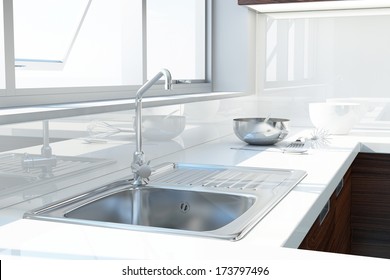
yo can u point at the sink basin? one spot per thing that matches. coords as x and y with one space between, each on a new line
166 208
183 199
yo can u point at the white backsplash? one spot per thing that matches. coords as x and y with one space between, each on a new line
305 60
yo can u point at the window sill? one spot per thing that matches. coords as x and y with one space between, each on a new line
36 113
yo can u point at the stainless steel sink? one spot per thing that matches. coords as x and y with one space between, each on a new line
202 200
166 208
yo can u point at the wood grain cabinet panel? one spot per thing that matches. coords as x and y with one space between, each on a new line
359 219
319 237
342 231
334 233
370 213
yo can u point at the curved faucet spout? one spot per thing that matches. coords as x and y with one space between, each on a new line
139 158
151 82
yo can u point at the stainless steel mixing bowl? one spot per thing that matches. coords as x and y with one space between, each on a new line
255 131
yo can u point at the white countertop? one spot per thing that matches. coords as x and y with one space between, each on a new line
274 237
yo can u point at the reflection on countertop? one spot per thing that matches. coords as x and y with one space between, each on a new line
78 161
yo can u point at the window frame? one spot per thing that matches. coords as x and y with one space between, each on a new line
17 97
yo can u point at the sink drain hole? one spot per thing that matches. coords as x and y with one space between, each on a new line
184 207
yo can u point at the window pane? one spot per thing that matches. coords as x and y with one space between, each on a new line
2 66
64 43
35 39
176 38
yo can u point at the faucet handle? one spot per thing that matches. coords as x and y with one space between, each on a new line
143 171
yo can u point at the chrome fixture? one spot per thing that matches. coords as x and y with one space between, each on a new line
142 170
46 161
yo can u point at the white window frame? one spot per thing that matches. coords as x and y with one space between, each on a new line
14 97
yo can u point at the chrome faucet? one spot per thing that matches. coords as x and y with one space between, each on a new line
142 170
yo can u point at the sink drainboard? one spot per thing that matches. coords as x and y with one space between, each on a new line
222 177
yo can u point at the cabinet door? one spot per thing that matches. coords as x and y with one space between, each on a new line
334 233
342 229
370 213
319 237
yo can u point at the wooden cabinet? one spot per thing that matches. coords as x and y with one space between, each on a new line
370 213
358 221
331 232
319 237
341 236
254 2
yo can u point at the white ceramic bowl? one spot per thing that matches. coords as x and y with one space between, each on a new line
336 118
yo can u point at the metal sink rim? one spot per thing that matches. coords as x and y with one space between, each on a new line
234 230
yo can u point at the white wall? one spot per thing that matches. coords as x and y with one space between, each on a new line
362 57
350 58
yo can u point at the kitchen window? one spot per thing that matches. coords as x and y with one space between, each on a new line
44 45
181 47
89 50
